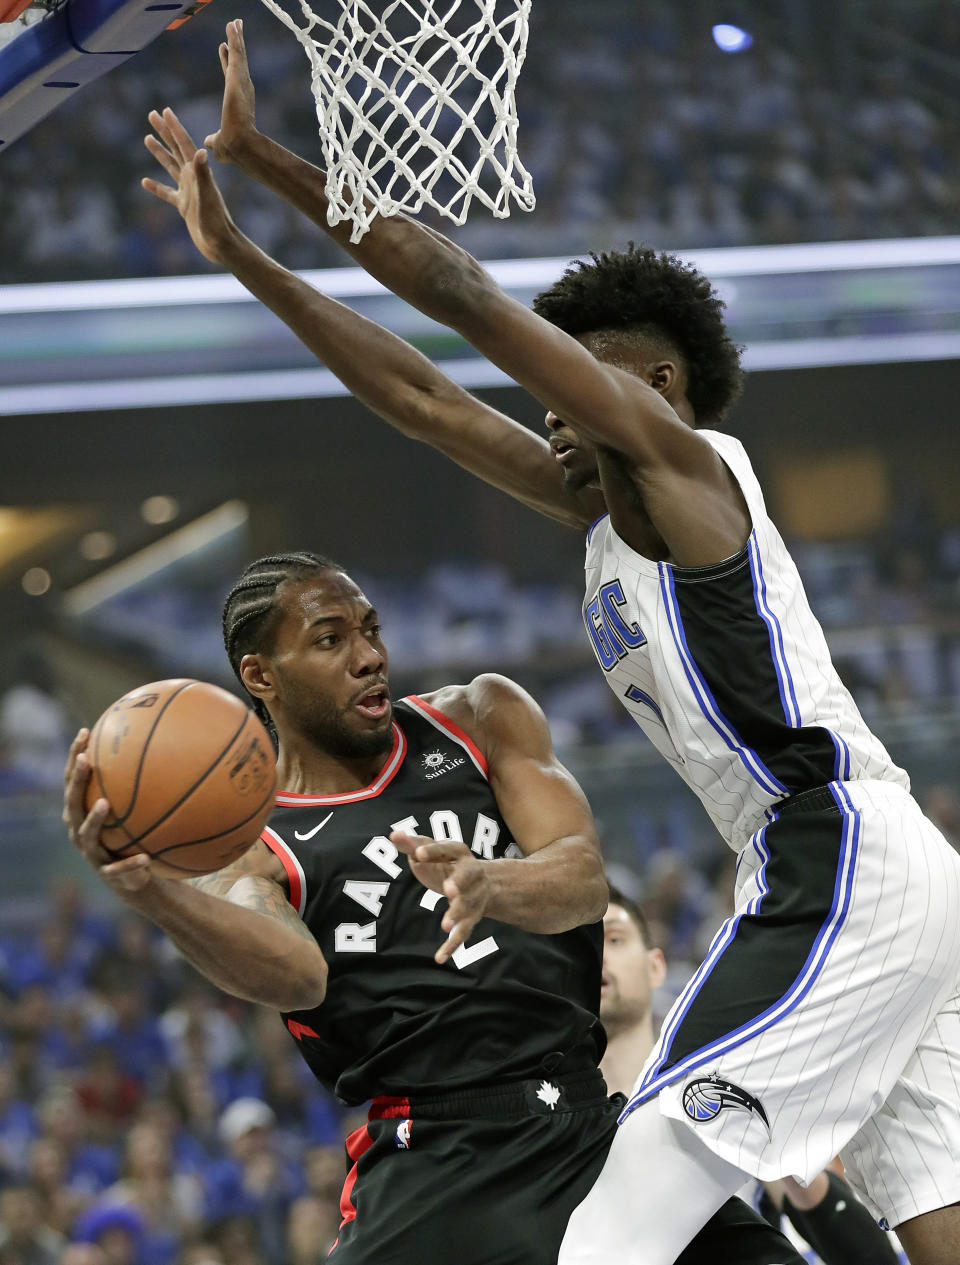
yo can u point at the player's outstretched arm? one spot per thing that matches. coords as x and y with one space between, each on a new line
235 926
559 882
381 370
687 490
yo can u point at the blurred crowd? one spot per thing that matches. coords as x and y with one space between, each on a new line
146 1119
633 123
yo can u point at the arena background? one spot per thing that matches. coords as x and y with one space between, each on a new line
139 470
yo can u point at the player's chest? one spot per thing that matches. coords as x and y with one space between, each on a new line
360 893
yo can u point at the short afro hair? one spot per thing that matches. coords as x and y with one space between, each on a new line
644 293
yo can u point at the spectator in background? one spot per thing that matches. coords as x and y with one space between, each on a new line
24 1238
90 1166
257 1180
49 1176
82 1254
311 1229
117 1231
108 1094
18 1124
34 726
170 1203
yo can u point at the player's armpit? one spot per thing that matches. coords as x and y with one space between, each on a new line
257 861
265 896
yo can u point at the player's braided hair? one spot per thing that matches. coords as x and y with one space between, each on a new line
642 293
250 607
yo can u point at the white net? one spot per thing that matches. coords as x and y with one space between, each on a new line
415 100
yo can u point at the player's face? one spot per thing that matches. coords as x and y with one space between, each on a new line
329 667
631 971
576 457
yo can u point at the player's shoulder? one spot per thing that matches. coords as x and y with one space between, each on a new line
483 706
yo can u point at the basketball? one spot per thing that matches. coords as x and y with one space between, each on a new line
189 773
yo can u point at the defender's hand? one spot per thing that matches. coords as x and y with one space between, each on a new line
196 195
127 875
453 870
237 116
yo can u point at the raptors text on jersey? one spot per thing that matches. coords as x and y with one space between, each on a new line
508 1005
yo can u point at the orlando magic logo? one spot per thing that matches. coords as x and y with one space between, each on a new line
703 1100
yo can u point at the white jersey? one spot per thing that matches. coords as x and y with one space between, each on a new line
726 669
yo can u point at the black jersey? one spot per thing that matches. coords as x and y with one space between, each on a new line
509 1004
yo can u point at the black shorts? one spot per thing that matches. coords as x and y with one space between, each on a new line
490 1177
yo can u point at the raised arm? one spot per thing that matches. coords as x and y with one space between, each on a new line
385 373
235 926
558 884
687 491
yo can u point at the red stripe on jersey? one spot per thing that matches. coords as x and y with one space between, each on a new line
382 780
280 849
453 729
356 1143
385 1108
300 1030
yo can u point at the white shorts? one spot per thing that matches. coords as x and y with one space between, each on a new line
824 1019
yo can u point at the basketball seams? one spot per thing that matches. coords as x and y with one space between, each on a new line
118 853
189 843
199 782
119 820
196 769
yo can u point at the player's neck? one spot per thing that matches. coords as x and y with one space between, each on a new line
305 770
627 1050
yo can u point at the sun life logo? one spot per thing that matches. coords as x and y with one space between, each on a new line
436 763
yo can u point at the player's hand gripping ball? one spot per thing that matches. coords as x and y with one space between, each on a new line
189 772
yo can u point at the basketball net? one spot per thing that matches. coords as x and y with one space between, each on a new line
415 101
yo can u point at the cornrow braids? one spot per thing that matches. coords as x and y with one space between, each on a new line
642 293
250 608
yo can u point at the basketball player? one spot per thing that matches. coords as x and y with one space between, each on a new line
825 1213
825 1017
489 1118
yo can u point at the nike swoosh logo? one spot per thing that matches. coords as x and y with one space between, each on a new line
315 830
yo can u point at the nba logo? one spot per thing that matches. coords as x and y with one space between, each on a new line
403 1135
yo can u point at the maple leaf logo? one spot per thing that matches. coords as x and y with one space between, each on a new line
549 1094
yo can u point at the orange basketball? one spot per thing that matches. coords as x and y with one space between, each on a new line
189 772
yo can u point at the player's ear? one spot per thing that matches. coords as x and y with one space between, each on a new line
663 376
256 676
658 967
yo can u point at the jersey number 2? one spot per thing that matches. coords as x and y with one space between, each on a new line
467 954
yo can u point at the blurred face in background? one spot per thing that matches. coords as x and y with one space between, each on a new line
631 972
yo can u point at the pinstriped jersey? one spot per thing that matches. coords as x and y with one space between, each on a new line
509 1005
726 669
